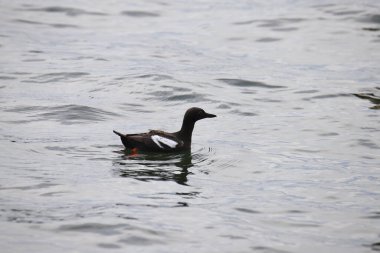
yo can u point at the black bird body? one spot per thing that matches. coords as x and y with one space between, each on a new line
160 141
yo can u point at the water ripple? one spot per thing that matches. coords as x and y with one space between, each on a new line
55 77
98 228
326 96
65 114
247 83
271 22
66 10
268 39
140 14
57 25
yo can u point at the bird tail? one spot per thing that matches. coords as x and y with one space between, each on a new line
120 134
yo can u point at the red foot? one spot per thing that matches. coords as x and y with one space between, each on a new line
134 152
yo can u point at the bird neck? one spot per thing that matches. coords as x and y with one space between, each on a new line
186 131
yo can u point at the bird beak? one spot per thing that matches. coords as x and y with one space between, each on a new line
209 115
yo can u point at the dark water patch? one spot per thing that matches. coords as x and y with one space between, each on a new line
65 114
18 73
329 134
295 211
271 22
322 6
2 87
248 22
339 32
18 215
7 78
30 22
120 78
139 240
64 26
327 96
24 21
370 18
303 225
29 187
246 210
108 246
371 29
233 237
280 22
140 14
248 114
33 60
134 109
156 77
161 205
223 106
248 92
174 88
345 13
235 38
269 100
267 250
285 29
36 51
49 194
246 83
96 228
133 105
306 91
368 157
66 10
368 143
371 129
373 215
55 77
161 94
307 151
73 150
193 98
268 39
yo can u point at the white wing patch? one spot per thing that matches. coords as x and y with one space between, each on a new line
162 140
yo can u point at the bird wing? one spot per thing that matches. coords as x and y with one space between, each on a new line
165 141
154 140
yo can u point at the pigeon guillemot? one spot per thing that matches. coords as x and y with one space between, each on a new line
159 141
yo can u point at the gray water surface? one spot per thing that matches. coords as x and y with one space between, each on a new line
291 163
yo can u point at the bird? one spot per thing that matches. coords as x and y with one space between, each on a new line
160 141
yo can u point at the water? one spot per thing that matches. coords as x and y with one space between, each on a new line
291 163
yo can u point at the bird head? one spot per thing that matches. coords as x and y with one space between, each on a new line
194 114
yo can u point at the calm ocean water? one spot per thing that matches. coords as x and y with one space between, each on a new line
291 163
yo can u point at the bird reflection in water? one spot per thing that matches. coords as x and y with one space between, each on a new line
155 166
